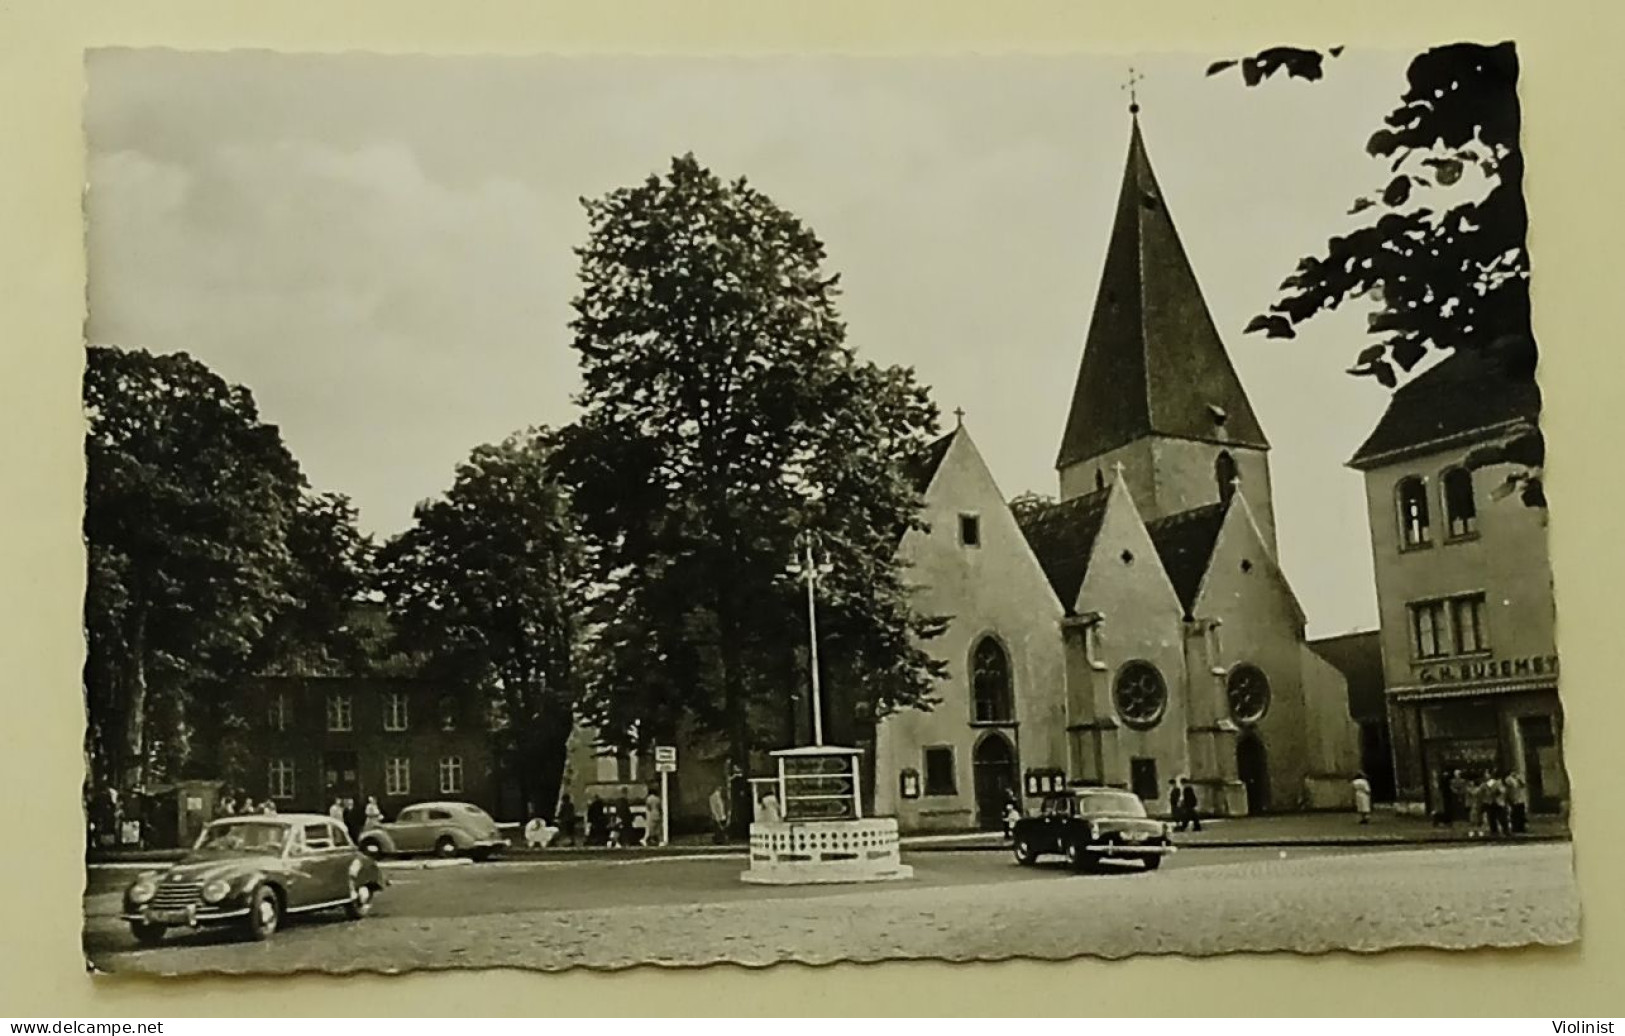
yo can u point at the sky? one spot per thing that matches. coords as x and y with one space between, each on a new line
380 247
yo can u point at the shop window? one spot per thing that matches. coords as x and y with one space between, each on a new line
939 771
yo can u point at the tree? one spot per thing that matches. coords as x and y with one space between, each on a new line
485 579
723 416
1029 504
188 505
1442 251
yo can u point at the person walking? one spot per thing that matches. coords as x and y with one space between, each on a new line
567 819
335 812
1173 798
653 809
1517 802
1187 802
355 818
374 813
625 822
1362 797
597 822
719 814
1495 806
1456 803
1475 806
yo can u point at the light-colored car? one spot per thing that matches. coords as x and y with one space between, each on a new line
254 872
442 828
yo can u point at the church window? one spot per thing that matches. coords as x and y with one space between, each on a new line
1428 629
1128 557
1225 473
1413 512
939 771
1460 509
1141 695
1248 691
990 682
1100 480
970 530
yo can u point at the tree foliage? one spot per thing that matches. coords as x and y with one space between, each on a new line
482 583
723 416
1441 250
189 504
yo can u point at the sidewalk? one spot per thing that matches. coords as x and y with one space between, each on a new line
1284 830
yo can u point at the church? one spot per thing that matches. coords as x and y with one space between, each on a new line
1135 631
1140 629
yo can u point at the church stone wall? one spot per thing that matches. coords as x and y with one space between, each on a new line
994 589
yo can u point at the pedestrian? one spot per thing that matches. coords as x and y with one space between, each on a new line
268 807
227 805
1495 806
373 813
567 820
1173 798
1456 803
597 822
1517 802
336 811
1362 797
355 817
719 814
615 838
653 809
1012 813
1475 806
626 822
1187 802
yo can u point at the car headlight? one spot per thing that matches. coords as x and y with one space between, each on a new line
143 890
1094 830
216 890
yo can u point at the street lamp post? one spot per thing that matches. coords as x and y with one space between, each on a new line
808 569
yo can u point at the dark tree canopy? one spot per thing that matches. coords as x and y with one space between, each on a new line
1442 250
723 416
482 586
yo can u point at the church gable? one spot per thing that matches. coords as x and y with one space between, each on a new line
1240 559
1124 575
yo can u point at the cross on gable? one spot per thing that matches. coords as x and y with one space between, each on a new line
959 417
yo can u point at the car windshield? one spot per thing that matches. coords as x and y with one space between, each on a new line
1110 804
243 837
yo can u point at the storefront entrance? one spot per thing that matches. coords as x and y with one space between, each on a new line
1542 763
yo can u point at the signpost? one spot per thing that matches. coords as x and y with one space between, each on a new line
665 765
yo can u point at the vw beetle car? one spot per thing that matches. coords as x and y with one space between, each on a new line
255 872
442 828
1088 825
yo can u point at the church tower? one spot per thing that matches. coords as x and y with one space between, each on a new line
1157 398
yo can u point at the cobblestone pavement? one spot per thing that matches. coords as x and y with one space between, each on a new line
964 907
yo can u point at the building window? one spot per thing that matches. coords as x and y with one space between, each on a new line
451 775
1467 623
448 713
279 780
1413 512
990 682
1225 473
970 530
397 776
277 713
1460 509
1427 629
395 710
1248 692
939 771
340 712
1140 694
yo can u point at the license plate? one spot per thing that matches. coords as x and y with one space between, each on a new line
170 917
1136 836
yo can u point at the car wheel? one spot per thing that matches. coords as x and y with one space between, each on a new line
446 846
479 855
1080 858
360 904
1024 853
1153 862
147 934
264 913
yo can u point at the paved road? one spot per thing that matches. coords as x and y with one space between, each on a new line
961 906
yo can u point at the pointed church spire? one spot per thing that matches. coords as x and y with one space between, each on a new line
1153 363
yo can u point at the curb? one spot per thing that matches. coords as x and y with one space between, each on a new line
1330 842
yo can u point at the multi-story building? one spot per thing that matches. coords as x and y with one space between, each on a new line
1464 586
311 739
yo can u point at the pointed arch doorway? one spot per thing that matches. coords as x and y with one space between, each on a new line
1253 769
993 764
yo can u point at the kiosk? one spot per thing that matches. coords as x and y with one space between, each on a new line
809 826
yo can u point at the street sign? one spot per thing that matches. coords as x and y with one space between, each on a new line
665 759
665 763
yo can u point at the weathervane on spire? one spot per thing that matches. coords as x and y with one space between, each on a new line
1134 79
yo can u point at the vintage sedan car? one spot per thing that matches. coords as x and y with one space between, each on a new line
1088 825
442 828
255 872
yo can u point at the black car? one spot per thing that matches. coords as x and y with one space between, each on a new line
1088 825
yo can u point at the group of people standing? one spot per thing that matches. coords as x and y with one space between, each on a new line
1493 806
1182 805
353 818
615 825
229 805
